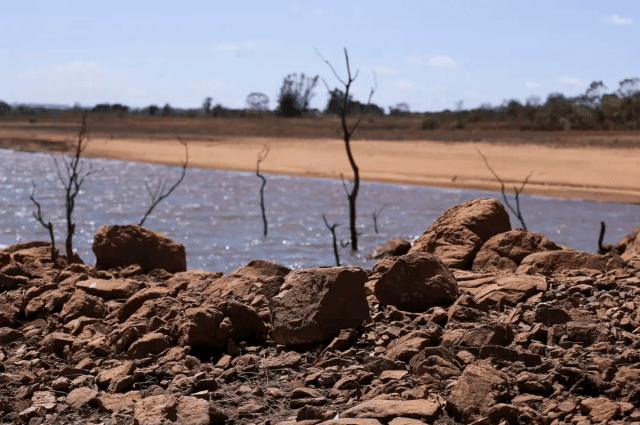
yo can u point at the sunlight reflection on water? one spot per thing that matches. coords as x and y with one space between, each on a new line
216 214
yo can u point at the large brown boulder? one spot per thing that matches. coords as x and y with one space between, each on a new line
505 251
550 262
416 282
316 304
258 277
125 245
457 235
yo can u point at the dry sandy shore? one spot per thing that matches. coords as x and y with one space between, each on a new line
597 174
593 173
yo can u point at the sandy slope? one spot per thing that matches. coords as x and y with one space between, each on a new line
581 173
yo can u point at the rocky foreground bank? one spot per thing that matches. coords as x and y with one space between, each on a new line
476 324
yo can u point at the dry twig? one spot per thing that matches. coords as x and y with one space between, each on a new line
159 193
517 191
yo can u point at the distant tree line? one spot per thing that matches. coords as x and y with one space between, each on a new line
595 109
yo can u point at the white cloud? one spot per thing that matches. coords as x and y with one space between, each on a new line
618 20
570 81
235 47
530 85
442 62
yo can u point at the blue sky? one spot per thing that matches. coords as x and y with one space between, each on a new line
429 54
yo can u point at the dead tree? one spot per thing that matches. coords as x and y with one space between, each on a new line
346 135
517 191
376 213
261 157
38 216
72 181
605 248
332 229
161 192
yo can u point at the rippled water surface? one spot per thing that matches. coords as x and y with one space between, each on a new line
216 214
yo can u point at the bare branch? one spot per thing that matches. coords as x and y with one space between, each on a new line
331 66
160 194
38 216
517 212
346 135
261 157
332 229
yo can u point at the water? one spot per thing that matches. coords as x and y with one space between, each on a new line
216 214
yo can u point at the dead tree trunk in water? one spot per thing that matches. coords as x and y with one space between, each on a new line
72 183
332 229
38 216
346 135
261 157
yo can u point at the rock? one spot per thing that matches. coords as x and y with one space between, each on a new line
549 315
81 396
504 290
12 282
386 410
245 321
550 262
628 246
83 304
149 344
45 399
136 301
343 341
258 277
316 304
407 349
193 411
109 289
416 282
114 402
351 421
8 335
121 246
479 387
457 235
55 342
600 409
105 377
288 360
156 410
392 248
203 327
505 251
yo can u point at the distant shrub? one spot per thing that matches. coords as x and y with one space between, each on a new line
429 123
5 108
459 125
295 96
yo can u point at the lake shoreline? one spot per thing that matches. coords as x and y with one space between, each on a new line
592 174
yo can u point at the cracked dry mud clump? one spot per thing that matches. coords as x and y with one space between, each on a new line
516 330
